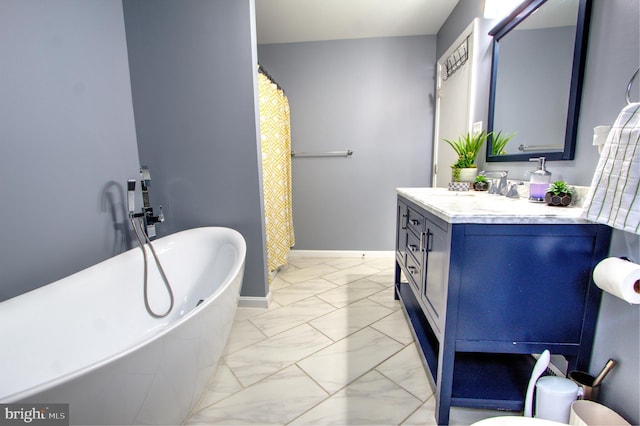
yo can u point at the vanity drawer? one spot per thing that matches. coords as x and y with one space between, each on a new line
415 247
415 221
414 273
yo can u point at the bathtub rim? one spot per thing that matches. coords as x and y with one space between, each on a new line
234 273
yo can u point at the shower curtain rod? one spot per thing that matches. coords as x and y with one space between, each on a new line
264 72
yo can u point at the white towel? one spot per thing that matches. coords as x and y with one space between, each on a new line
614 195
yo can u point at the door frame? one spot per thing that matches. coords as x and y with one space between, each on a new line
470 32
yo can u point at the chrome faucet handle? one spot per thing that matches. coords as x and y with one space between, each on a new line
150 218
503 184
513 191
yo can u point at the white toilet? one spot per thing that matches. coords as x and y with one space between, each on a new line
583 413
516 421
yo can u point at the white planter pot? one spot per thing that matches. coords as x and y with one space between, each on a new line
468 175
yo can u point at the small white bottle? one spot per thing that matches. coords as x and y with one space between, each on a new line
539 181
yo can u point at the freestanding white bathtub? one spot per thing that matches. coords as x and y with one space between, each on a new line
87 340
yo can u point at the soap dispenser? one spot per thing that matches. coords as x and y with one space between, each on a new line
539 181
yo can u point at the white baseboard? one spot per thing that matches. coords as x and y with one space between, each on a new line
255 302
342 253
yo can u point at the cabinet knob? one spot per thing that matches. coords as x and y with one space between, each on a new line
413 270
413 248
415 222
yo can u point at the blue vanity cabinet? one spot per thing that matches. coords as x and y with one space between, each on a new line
483 297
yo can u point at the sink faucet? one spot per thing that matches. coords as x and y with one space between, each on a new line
501 187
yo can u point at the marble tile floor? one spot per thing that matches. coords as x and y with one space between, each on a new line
333 347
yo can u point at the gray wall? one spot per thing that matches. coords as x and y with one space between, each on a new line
193 76
68 140
613 56
373 96
462 15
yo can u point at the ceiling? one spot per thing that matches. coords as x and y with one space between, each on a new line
289 21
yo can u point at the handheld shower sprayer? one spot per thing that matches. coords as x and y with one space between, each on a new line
131 196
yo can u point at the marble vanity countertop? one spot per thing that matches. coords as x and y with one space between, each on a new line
481 207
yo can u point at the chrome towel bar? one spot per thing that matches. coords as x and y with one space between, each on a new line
345 153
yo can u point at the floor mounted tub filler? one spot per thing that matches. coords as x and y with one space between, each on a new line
88 341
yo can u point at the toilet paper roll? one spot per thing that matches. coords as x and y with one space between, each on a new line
619 277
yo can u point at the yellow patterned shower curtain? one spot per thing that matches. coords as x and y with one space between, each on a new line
275 134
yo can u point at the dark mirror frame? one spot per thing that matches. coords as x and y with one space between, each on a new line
579 58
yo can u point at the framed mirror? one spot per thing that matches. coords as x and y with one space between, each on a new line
539 53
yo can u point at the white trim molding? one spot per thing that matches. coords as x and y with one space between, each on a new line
255 302
342 253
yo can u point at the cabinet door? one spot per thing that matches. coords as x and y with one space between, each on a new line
436 269
524 283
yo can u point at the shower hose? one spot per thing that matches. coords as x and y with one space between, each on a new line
155 257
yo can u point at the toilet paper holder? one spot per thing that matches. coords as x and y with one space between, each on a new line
636 285
620 277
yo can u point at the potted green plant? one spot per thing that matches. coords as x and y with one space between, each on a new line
559 194
467 148
481 183
498 142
